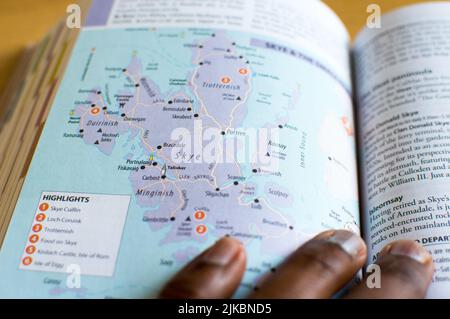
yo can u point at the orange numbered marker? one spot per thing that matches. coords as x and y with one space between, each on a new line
243 71
347 125
30 249
34 238
225 80
43 207
95 110
201 229
37 228
40 217
27 261
199 215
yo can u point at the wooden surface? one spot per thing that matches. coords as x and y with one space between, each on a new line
26 21
23 22
354 12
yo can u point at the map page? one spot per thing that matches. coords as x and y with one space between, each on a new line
164 138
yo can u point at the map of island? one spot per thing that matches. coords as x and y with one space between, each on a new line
136 123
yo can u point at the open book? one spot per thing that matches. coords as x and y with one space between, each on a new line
171 124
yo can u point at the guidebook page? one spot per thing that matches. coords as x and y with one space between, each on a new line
172 130
403 93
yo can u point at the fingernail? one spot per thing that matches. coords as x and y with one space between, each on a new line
409 249
222 252
351 243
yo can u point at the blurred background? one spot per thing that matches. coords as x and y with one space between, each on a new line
26 21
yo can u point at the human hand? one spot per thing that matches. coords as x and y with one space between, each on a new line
318 269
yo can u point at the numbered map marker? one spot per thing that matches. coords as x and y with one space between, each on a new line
43 207
199 215
95 111
33 238
37 228
201 229
225 80
27 261
30 249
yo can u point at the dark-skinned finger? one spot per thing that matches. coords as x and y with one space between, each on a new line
406 270
216 273
318 269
